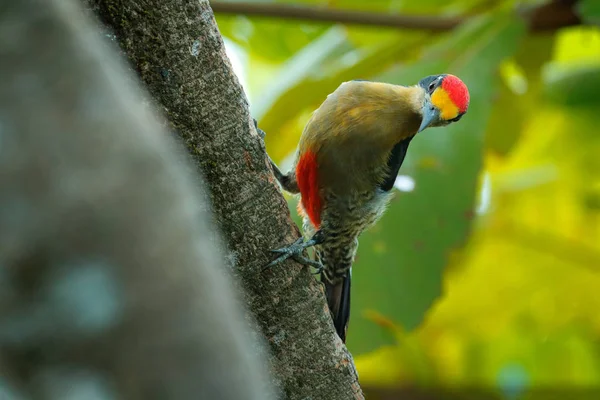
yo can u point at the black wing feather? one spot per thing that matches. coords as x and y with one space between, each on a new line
395 162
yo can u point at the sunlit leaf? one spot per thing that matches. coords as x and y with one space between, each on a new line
576 46
518 97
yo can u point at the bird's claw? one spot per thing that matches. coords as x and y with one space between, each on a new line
318 269
307 261
294 248
294 251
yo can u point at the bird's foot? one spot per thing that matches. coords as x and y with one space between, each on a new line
307 261
295 251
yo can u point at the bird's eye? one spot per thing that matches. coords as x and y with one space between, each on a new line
431 87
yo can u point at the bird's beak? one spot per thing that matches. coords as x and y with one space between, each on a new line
430 114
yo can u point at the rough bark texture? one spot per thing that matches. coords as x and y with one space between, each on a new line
177 50
111 282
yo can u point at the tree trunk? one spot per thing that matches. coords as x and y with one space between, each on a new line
109 273
176 48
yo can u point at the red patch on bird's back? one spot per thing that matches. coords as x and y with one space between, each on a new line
308 183
457 91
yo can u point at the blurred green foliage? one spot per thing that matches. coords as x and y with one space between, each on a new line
485 273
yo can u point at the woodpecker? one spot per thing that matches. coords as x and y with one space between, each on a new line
346 164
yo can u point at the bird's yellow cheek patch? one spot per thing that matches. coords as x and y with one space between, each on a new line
442 101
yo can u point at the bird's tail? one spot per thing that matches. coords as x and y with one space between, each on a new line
338 300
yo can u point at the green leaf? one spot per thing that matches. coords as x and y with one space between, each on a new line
298 68
400 261
503 133
574 87
273 39
589 10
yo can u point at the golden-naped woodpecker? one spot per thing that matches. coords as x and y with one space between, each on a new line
346 165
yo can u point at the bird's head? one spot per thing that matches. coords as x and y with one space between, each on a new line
446 100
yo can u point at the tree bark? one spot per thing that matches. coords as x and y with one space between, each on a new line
109 272
176 48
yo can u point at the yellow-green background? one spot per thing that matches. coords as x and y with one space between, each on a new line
487 273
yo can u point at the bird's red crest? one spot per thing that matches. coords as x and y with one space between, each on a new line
457 91
308 183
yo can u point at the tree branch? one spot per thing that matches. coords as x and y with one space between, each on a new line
177 50
548 17
322 14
